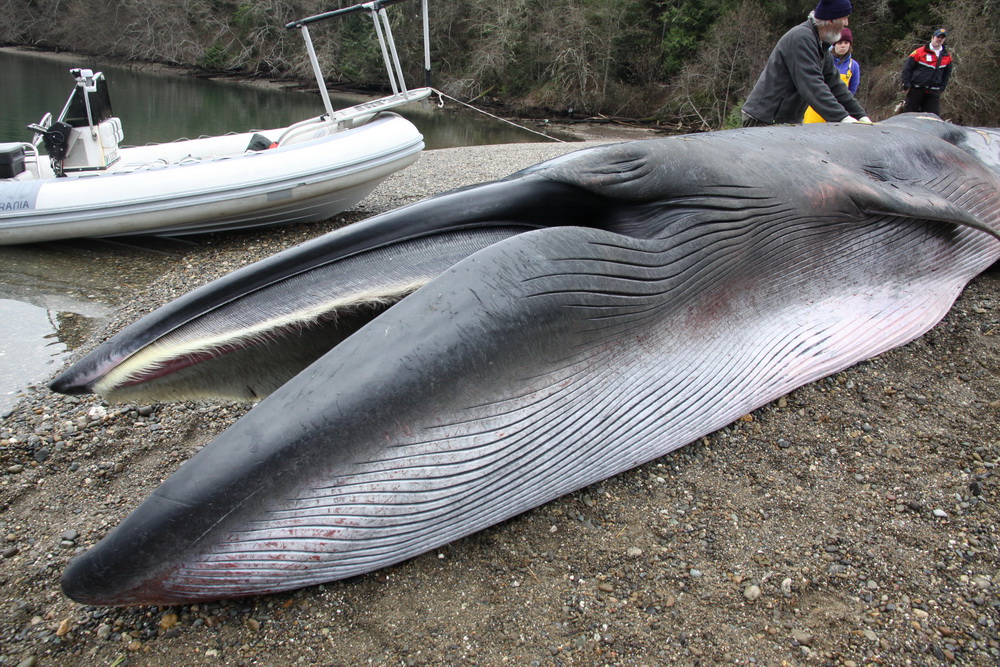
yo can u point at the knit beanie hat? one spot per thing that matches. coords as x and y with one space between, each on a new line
846 36
832 9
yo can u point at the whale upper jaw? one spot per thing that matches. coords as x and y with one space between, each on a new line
244 335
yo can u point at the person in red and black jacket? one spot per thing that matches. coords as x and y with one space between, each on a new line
925 75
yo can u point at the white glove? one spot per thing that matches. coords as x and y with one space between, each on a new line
866 120
850 119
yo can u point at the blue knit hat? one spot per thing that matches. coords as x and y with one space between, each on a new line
832 9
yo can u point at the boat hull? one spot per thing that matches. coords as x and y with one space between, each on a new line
307 181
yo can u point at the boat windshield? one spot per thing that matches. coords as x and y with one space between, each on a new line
100 105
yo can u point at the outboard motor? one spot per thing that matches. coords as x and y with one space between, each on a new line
87 135
56 140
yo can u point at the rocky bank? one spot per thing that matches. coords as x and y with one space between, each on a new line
852 522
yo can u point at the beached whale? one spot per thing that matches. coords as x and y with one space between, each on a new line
439 368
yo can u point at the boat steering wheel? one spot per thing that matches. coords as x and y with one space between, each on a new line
40 128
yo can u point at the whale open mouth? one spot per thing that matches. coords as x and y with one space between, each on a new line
439 368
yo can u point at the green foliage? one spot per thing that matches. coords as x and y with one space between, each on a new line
734 119
360 55
688 61
973 93
709 90
685 25
906 15
215 58
248 16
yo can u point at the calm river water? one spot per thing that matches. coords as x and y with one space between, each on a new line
50 296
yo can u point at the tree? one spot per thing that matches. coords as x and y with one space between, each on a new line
709 91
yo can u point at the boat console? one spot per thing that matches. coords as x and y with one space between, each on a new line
87 135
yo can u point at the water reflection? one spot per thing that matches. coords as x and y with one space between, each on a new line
158 106
52 298
20 364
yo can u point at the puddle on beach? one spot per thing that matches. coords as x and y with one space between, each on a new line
53 297
30 347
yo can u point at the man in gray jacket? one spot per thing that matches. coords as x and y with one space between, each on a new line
800 73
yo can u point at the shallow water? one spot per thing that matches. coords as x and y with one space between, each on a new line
20 364
165 106
53 296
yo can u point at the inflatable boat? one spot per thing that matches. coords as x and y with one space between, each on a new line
85 184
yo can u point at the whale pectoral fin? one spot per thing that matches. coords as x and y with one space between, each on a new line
625 172
914 200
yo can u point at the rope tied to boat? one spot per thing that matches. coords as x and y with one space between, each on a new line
440 105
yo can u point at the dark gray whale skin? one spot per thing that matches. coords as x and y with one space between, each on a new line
572 321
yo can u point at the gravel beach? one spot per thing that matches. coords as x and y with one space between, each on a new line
852 522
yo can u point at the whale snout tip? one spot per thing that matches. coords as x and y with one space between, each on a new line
69 385
82 584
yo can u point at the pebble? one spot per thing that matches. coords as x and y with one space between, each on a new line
979 592
803 637
64 627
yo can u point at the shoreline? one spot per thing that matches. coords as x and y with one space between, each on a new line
851 522
606 130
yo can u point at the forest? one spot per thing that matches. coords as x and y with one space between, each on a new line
685 63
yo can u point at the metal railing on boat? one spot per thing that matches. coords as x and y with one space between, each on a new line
401 95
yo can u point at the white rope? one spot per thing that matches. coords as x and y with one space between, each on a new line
521 127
